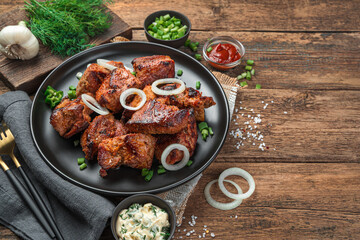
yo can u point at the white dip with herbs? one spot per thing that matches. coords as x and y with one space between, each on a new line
147 222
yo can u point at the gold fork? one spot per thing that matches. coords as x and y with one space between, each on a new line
35 202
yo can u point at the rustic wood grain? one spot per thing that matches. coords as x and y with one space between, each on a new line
27 75
290 202
303 126
239 15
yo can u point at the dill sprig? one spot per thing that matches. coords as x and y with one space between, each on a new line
66 26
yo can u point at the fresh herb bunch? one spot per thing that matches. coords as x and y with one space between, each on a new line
66 26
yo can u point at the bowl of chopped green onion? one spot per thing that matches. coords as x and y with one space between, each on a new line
167 27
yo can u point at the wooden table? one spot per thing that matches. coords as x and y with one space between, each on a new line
307 59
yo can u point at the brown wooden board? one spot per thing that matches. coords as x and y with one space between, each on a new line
240 15
27 75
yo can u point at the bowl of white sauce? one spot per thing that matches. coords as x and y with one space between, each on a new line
143 217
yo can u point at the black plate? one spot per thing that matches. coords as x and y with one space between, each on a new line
61 154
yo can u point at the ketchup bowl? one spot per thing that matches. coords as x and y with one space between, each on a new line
223 52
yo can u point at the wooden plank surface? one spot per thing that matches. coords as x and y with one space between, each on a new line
27 75
239 15
307 61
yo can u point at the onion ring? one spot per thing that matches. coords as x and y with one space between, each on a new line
93 104
178 165
238 172
129 92
219 205
159 91
104 63
127 68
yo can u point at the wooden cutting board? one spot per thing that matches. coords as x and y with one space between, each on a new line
27 75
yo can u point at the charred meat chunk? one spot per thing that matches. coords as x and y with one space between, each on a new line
134 150
187 137
70 117
158 118
191 98
102 127
151 68
91 80
150 95
93 77
110 90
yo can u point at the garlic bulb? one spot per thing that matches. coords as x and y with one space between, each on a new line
18 42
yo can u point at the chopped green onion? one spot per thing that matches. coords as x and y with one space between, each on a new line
167 17
243 74
248 75
72 94
180 72
193 47
203 125
258 86
161 171
252 72
243 84
144 172
83 166
167 28
149 176
250 62
209 49
211 131
198 84
198 57
248 68
80 161
133 73
197 44
79 75
187 43
239 77
76 142
204 137
189 163
205 132
72 87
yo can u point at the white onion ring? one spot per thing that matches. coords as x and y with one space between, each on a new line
93 104
129 92
129 69
219 205
159 91
178 165
238 172
104 63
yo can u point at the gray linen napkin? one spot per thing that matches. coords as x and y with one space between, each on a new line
79 214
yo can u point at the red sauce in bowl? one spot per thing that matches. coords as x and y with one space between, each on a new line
224 53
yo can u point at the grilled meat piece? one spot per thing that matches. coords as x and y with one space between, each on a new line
151 68
102 127
110 90
70 117
93 76
187 137
158 118
190 98
150 95
134 150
